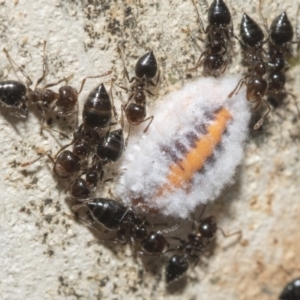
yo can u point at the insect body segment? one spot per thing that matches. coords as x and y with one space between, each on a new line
191 150
13 96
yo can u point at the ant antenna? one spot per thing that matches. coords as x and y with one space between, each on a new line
199 18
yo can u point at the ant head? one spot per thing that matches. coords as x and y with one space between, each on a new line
80 189
146 66
281 30
140 231
219 14
251 33
67 164
208 227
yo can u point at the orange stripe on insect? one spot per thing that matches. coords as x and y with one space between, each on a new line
183 171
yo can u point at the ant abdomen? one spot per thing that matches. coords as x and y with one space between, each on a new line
107 212
112 146
67 100
97 110
281 30
219 14
13 96
176 267
146 66
251 33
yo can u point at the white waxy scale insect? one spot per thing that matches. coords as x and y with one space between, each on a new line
191 150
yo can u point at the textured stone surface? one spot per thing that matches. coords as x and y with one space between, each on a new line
44 254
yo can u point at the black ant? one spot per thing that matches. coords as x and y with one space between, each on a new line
145 72
16 96
114 216
252 40
197 243
219 32
109 149
291 291
281 37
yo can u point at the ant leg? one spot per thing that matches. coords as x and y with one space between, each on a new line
44 67
263 19
199 18
125 69
199 62
261 121
90 224
83 204
42 112
122 115
122 87
237 88
113 179
150 93
23 165
125 213
149 118
197 259
57 131
238 240
63 148
224 67
126 141
112 101
239 233
295 100
142 253
65 79
170 229
149 81
14 64
89 77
